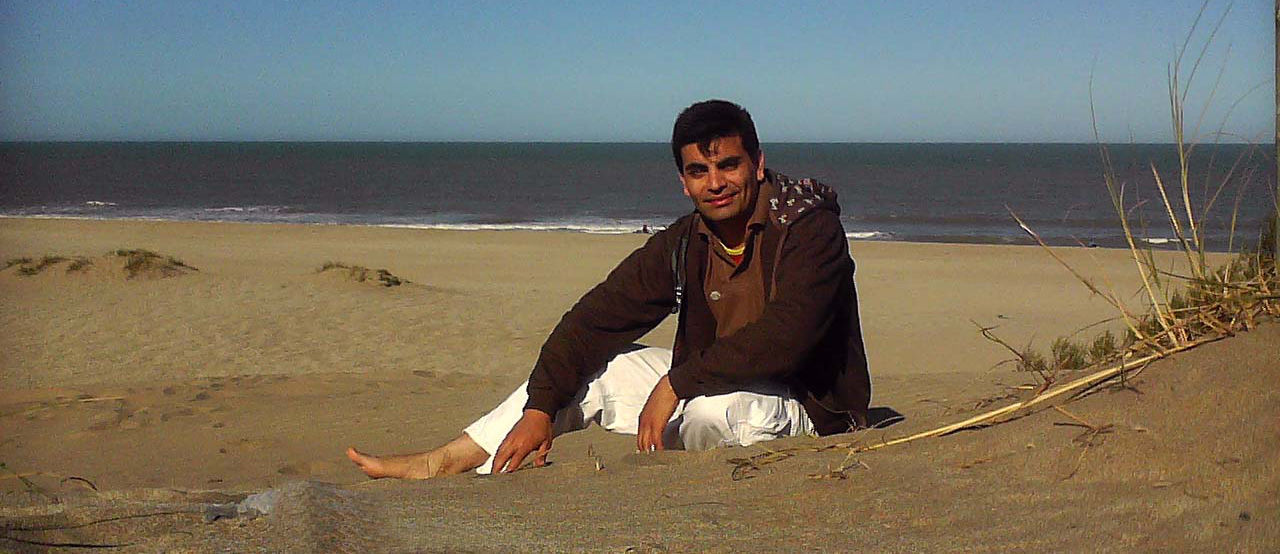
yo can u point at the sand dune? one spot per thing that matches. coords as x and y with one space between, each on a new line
255 372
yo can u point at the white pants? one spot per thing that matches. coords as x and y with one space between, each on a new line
614 397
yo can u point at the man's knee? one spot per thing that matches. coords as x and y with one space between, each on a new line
704 423
704 411
735 419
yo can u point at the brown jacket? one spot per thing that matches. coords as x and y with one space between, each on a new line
809 335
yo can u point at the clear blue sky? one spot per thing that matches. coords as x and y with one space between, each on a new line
941 70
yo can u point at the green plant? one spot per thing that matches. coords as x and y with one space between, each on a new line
1033 361
1103 348
1068 355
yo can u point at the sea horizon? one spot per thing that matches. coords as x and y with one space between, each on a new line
905 191
661 142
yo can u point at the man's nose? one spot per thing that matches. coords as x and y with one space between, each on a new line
716 180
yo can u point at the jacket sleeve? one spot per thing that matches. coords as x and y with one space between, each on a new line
813 268
635 297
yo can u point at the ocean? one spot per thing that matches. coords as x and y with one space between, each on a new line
904 192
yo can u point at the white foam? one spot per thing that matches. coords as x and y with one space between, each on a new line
868 235
251 209
1158 240
597 229
99 203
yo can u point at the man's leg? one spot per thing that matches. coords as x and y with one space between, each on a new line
456 456
613 399
741 419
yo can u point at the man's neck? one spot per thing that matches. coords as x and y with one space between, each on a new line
731 233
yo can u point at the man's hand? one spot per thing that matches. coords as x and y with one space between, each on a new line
532 432
655 415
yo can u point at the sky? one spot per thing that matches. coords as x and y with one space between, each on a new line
864 71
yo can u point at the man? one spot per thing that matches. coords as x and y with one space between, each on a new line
768 342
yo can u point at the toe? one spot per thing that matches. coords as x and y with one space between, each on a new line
356 456
370 465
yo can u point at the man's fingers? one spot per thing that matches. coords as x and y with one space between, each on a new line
541 459
517 458
652 441
642 438
500 458
647 439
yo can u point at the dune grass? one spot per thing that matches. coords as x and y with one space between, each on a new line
30 266
1181 311
136 262
1179 308
362 274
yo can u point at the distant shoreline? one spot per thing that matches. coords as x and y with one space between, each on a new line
1158 243
895 192
1271 145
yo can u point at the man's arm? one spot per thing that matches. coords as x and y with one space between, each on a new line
814 268
636 296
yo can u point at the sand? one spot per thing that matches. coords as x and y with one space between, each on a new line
255 372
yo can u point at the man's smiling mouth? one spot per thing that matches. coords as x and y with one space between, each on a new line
722 201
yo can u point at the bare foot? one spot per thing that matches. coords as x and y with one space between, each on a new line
406 466
459 455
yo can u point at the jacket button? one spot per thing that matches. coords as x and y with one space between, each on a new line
715 295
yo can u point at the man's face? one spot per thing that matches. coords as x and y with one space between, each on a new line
724 182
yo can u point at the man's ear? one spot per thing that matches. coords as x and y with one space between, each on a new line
684 187
760 167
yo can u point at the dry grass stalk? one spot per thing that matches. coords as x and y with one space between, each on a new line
1092 436
745 467
1021 406
1130 320
1027 359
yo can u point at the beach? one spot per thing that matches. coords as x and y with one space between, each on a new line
255 371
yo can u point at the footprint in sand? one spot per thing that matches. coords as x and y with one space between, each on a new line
306 469
246 445
142 417
106 421
123 417
181 412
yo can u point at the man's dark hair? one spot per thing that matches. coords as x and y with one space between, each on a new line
708 120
